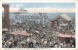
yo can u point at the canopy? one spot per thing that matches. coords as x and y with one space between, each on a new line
20 32
15 32
66 35
62 16
66 17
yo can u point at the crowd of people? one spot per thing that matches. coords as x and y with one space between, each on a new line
39 36
33 41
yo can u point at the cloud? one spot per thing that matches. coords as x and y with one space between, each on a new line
19 5
47 10
12 9
15 8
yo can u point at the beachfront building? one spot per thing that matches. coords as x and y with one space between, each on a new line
63 22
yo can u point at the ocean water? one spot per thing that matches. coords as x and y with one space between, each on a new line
50 15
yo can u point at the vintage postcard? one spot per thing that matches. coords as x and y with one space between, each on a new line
39 25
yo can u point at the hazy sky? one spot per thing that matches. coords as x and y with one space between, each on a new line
48 7
43 5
